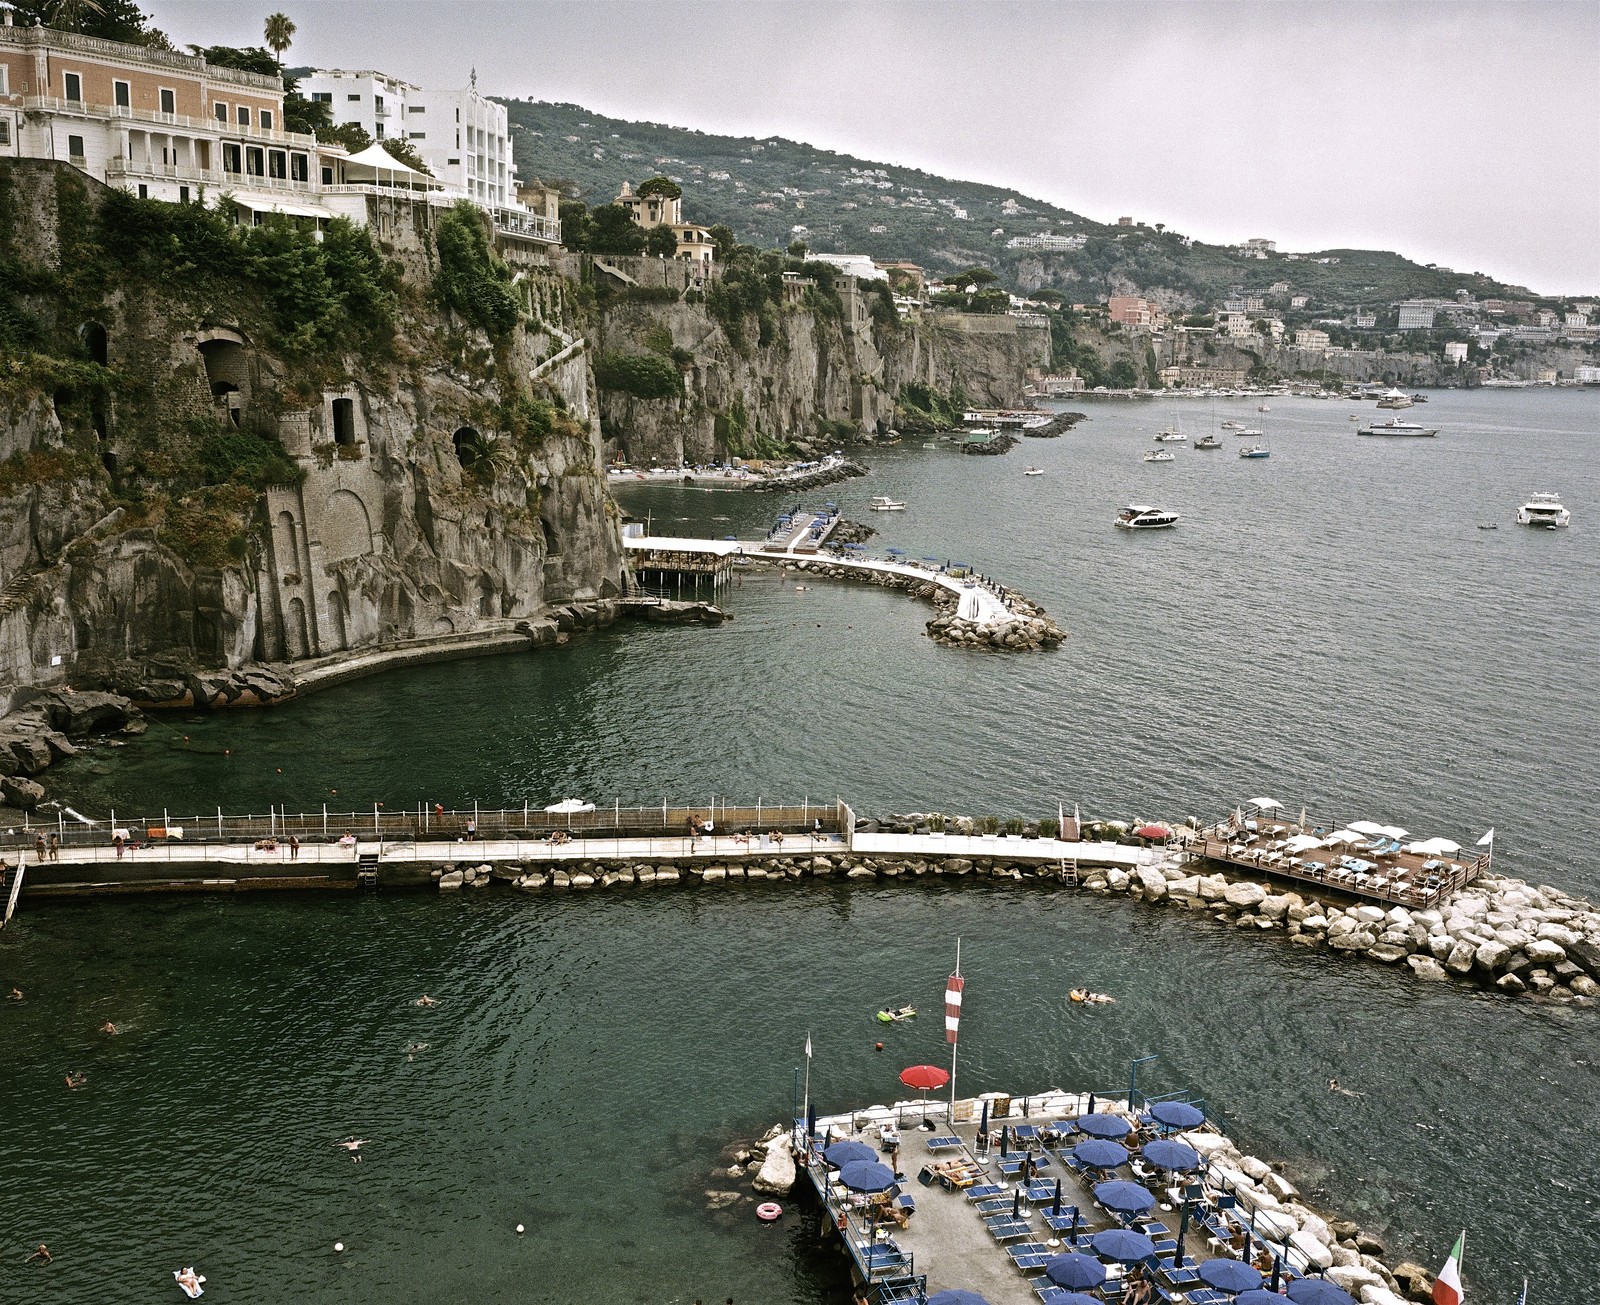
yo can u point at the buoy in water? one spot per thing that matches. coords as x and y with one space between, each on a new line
519 1230
338 1246
767 1211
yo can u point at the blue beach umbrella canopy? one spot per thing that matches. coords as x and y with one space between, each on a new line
1177 1114
898 552
983 1124
1123 1245
842 1153
1097 1153
1124 1198
1174 1156
1075 1272
866 1176
1318 1291
957 1296
1258 1296
1229 1275
1081 1298
1107 1126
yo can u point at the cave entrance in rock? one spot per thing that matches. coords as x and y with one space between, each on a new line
468 447
95 341
344 422
338 617
552 541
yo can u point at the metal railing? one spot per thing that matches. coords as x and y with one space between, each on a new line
124 53
211 128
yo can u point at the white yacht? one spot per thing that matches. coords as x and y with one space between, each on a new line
1141 516
1544 511
1172 436
1034 471
1208 442
1160 455
1250 432
1230 425
1394 426
883 503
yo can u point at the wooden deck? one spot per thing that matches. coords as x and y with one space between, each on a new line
1403 878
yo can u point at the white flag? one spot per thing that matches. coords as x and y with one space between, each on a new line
808 1046
1486 839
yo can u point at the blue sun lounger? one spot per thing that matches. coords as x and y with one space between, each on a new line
1029 1256
983 1191
1003 1228
1063 1221
943 1143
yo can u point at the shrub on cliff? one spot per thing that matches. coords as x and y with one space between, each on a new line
471 280
643 375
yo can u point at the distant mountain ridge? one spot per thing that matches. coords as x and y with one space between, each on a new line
764 189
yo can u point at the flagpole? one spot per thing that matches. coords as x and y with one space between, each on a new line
805 1106
954 1045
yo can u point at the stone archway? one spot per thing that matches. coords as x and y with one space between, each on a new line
346 526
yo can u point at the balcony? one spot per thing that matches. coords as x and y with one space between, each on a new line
527 226
189 174
210 128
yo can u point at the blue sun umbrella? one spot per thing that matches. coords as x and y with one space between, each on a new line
1230 1275
1177 1114
1173 1156
1124 1198
842 1153
956 1296
1107 1126
1100 1154
1075 1272
866 1176
1123 1245
898 552
1318 1291
1258 1296
983 1124
1081 1298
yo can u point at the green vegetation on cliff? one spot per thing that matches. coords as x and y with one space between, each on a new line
472 280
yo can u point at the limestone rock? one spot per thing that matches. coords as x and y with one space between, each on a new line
1244 896
1491 956
1542 951
777 1169
1425 967
1460 959
24 794
1415 1281
451 879
1388 953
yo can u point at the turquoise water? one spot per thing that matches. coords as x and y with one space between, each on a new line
1328 625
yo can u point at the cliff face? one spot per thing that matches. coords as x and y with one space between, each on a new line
829 371
189 480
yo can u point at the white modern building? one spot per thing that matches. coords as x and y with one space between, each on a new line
1049 244
1416 316
464 138
1310 338
1455 351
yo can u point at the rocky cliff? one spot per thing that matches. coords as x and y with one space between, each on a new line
222 446
808 366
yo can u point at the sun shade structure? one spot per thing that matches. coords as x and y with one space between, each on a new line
1075 1272
925 1078
1174 1156
866 1176
1318 1291
1098 1153
1266 804
1107 1126
1122 1245
1123 1198
842 1153
1229 1275
1177 1114
1153 831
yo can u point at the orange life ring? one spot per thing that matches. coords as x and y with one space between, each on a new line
767 1211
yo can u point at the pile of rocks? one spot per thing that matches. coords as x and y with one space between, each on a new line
1003 442
1060 423
265 685
42 733
827 474
1022 634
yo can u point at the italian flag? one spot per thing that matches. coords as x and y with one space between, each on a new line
1447 1286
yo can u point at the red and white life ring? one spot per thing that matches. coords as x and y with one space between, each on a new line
767 1211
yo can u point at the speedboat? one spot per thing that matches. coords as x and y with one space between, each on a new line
1160 455
883 503
1544 511
1249 432
1208 442
1141 516
1034 471
1255 451
894 1014
1262 408
1394 426
1171 436
1230 425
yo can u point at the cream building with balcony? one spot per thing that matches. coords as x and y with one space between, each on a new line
694 242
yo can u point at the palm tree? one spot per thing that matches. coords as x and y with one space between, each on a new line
279 32
71 13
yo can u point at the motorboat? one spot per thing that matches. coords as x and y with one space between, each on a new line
1034 471
1419 398
1160 455
1395 399
1141 516
883 503
1230 425
1544 511
1355 416
1263 408
1488 525
1208 442
1172 436
1255 451
1394 426
1249 432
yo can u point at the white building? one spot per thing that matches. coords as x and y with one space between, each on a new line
1416 316
1586 375
1048 243
859 266
1234 325
1310 338
1455 351
464 138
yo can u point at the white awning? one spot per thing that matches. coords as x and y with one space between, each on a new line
272 204
380 160
1341 836
570 806
1391 831
1266 804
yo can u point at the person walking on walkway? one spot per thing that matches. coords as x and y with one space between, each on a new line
39 848
55 847
294 847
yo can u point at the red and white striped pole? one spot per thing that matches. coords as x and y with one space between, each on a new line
952 1022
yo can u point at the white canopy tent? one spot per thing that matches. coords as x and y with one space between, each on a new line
1301 843
1266 804
386 170
1365 826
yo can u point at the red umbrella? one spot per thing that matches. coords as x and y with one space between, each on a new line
1153 831
924 1077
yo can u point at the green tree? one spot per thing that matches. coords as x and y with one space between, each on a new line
1122 375
251 58
308 117
974 278
665 186
352 135
279 31
661 243
614 231
798 249
577 229
402 151
112 20
726 242
470 279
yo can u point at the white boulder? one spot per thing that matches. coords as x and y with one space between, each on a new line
777 1169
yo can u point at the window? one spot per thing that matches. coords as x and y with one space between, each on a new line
265 116
417 108
354 99
169 100
222 111
75 146
344 422
300 167
122 95
5 131
144 191
244 115
277 164
327 176
183 194
455 163
230 157
5 87
379 126
255 161
419 135
72 87
322 97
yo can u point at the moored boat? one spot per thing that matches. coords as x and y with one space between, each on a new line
1255 451
1208 442
1394 426
1160 455
883 503
1141 516
1544 511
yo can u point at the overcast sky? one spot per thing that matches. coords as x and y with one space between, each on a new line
1461 133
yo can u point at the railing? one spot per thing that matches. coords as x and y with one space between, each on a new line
209 127
531 225
208 176
123 53
427 822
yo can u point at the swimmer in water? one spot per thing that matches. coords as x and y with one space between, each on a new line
42 1255
425 1000
75 1079
109 1027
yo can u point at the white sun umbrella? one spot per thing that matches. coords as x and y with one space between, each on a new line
1341 836
1391 831
1367 827
1266 804
1301 843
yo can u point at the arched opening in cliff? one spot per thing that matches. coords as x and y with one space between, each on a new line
295 633
552 541
227 372
339 618
285 539
469 447
344 422
95 341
